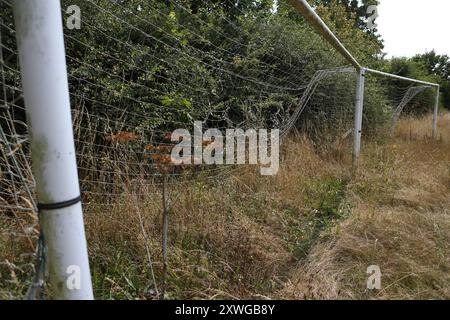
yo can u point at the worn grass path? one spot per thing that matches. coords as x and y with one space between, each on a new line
400 221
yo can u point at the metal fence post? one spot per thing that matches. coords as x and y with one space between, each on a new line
435 114
39 33
358 116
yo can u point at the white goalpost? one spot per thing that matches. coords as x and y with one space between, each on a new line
46 92
319 25
425 83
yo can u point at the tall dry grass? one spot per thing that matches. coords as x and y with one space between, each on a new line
310 232
400 222
228 238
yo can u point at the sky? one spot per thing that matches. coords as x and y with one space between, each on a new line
409 27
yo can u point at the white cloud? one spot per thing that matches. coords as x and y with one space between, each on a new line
410 27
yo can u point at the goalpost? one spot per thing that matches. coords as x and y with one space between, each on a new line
319 25
425 83
40 40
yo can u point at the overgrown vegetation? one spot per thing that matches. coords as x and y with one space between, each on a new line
400 222
309 232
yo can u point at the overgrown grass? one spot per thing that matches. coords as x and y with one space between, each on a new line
400 221
309 232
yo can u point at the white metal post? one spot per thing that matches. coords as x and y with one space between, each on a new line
435 114
39 32
358 116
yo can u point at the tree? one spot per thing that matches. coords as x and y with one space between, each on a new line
435 64
357 11
232 8
338 15
438 65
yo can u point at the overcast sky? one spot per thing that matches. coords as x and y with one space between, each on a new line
409 27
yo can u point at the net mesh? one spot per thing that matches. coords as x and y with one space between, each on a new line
140 69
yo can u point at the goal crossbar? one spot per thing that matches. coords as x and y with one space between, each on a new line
303 7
